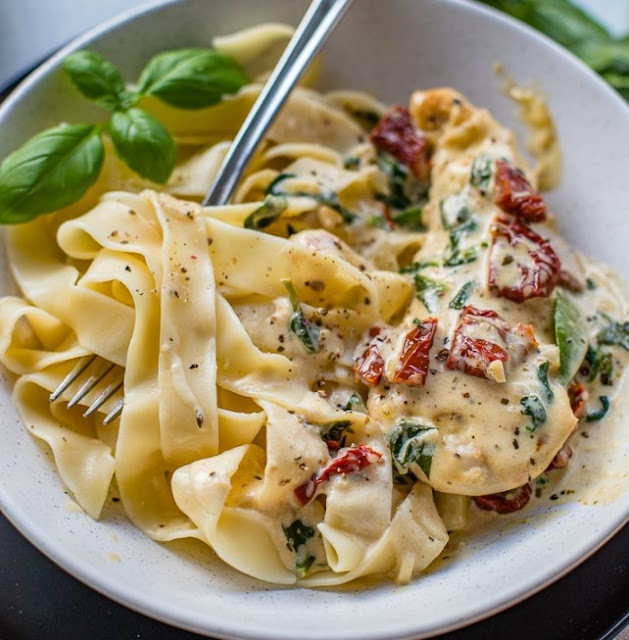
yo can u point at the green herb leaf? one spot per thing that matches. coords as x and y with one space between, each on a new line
52 170
615 333
307 332
454 211
405 190
418 266
597 362
191 78
297 534
460 299
595 416
542 376
482 172
353 401
335 434
273 188
303 566
143 144
428 290
570 332
411 219
266 214
532 406
98 79
412 444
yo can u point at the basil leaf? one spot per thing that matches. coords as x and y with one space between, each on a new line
411 444
297 534
191 78
532 406
307 332
595 416
570 332
143 144
266 214
428 290
459 300
98 79
52 170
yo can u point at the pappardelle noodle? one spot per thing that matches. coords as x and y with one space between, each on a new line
382 334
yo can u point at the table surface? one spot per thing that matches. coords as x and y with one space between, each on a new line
39 600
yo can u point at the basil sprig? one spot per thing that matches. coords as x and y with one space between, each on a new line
56 167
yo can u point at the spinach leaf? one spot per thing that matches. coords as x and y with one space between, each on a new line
98 79
428 290
297 534
454 211
143 144
410 218
52 170
327 199
482 172
615 333
462 296
191 78
542 376
418 266
406 192
595 416
267 213
303 566
597 362
307 332
353 401
570 332
411 444
335 434
532 406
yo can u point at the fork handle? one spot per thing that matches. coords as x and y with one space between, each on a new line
318 22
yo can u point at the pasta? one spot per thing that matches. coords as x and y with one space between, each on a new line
323 378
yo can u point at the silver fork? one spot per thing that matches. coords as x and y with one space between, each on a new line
316 25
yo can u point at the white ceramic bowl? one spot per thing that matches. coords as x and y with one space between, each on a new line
389 48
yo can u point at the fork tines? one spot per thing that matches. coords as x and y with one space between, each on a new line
94 370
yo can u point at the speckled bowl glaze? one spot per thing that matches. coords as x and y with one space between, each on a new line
389 48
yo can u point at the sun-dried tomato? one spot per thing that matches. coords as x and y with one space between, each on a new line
522 265
396 134
369 367
347 461
514 194
506 502
570 282
479 339
412 367
578 396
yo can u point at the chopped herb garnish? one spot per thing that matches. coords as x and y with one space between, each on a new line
462 296
614 333
428 290
542 376
306 331
590 284
266 214
595 416
411 445
482 171
532 406
570 331
297 534
335 434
